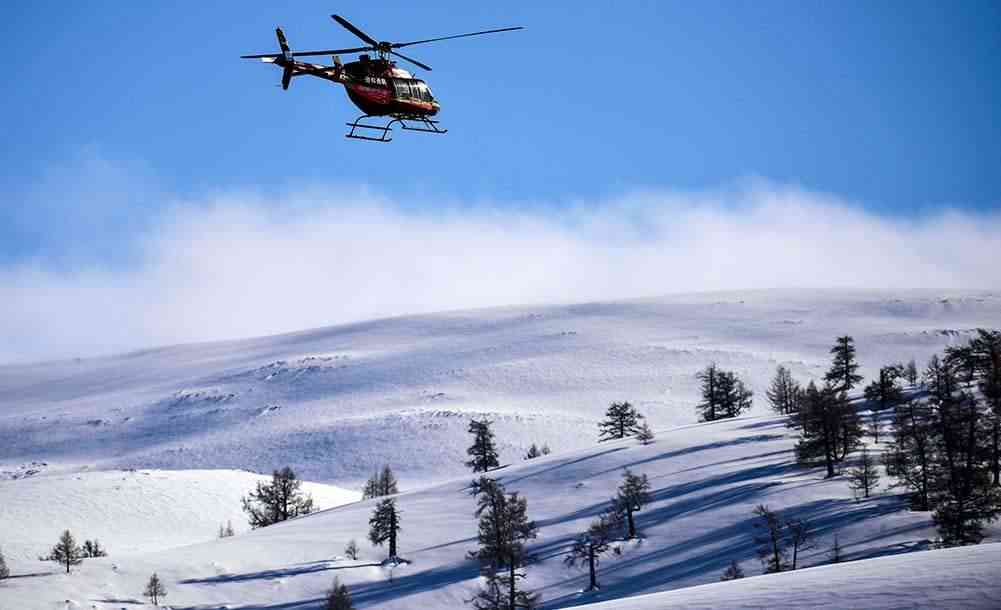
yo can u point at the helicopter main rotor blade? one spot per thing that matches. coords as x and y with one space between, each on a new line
266 55
400 45
331 51
360 34
412 60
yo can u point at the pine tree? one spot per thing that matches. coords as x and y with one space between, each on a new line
882 394
734 396
483 451
733 572
533 452
864 477
351 550
910 459
503 530
621 420
800 534
66 552
382 483
4 570
818 422
155 589
338 598
277 501
843 374
384 526
911 373
709 408
723 394
631 496
784 392
588 549
92 548
644 434
982 357
772 551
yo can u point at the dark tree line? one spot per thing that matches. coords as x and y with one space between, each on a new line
945 446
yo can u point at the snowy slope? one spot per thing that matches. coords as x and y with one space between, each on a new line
964 578
130 511
706 479
337 402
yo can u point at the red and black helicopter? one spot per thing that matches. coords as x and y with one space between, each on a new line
375 85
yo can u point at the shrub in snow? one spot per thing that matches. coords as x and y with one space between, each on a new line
351 550
92 549
732 572
644 434
226 531
338 598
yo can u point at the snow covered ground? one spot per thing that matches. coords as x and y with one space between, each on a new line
334 403
337 403
964 578
130 512
706 479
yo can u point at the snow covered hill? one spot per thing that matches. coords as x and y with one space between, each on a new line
964 578
337 402
706 480
130 511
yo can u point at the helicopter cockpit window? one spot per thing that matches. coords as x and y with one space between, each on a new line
402 88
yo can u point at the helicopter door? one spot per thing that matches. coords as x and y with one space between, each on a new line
402 88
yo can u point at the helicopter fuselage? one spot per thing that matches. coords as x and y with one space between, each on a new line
376 86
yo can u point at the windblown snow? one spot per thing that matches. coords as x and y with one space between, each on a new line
337 403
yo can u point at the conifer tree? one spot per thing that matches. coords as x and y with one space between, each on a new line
4 570
843 374
277 501
339 597
504 528
644 434
66 552
91 549
545 449
772 551
155 589
621 420
723 394
631 496
384 526
784 393
588 549
732 572
882 394
911 373
911 457
818 422
483 452
382 483
864 477
533 452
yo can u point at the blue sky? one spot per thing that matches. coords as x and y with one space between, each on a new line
118 116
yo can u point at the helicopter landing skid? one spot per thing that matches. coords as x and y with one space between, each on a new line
384 133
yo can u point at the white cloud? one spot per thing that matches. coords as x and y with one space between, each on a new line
245 265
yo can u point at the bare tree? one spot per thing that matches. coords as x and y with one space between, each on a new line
864 477
800 537
588 549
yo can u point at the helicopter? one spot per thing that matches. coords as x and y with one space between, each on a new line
374 84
